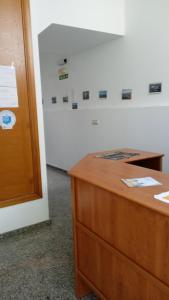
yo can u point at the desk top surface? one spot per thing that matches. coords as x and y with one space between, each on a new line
107 174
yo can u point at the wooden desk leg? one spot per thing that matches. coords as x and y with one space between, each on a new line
81 289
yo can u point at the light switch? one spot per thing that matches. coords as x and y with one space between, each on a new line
95 122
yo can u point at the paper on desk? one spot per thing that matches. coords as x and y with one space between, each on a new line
140 182
164 197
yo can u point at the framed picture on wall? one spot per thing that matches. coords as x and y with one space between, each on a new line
126 94
155 88
102 94
65 99
54 100
75 105
86 95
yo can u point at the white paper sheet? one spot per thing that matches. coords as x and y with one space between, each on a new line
8 88
141 182
164 197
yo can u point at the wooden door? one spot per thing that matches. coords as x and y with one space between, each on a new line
19 152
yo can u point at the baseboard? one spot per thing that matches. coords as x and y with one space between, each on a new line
25 229
56 168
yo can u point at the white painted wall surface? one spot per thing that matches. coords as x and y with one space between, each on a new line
134 61
73 136
100 15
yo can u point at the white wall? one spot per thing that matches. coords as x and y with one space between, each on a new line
70 135
136 60
101 15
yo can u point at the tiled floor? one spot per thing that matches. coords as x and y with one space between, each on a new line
37 264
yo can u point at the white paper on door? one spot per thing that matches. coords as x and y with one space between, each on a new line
8 88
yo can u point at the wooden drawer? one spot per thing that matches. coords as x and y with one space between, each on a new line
140 233
114 275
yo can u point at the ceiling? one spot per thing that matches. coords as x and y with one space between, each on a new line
66 41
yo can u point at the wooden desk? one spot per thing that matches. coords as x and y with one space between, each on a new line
121 234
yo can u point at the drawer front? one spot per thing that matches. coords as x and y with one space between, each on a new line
113 276
138 232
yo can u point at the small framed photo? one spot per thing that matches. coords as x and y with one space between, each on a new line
155 88
74 105
126 94
54 100
65 99
103 94
86 95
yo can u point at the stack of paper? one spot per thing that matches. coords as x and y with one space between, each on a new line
117 155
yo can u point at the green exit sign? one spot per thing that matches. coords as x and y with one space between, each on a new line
65 76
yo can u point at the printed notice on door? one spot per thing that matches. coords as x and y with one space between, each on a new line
8 87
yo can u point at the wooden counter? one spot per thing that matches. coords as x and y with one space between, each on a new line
121 234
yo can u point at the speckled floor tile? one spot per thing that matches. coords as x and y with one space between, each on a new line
38 264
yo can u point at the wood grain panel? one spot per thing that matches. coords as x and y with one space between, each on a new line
113 276
138 232
19 152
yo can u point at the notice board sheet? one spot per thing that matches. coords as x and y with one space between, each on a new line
8 87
